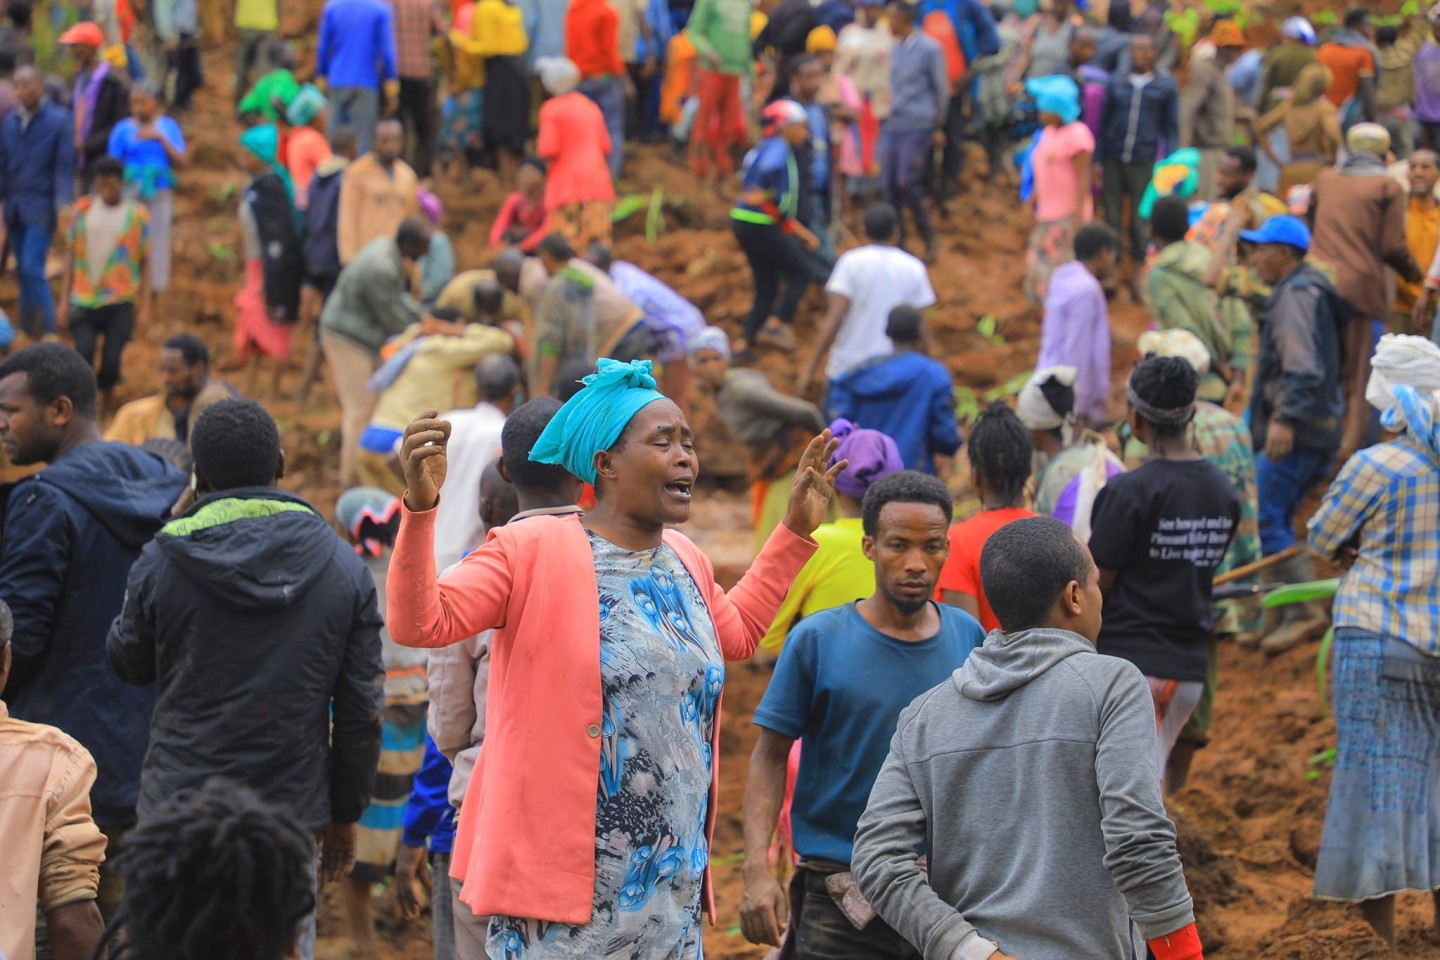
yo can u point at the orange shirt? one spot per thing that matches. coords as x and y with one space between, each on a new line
592 38
679 77
1346 65
308 149
575 143
962 571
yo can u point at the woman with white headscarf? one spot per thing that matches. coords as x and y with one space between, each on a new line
1379 518
575 143
1046 406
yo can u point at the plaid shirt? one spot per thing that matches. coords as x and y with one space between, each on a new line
1386 501
414 26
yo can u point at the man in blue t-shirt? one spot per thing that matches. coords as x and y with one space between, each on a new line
841 682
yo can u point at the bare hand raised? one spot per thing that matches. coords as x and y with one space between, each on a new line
423 458
814 485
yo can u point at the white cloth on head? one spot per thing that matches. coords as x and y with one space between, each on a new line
558 75
1176 343
711 338
1032 407
1400 358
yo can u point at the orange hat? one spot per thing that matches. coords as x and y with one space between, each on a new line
84 34
1227 33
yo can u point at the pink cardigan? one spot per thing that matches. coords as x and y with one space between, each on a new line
525 845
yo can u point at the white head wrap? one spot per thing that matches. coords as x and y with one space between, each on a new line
558 75
1032 407
711 338
1298 28
1398 359
1405 386
1176 343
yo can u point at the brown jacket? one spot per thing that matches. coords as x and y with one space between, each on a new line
1358 213
1207 108
373 201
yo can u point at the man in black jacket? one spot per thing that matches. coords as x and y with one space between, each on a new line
1139 124
71 533
260 625
100 99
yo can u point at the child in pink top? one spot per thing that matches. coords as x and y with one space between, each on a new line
307 147
1061 163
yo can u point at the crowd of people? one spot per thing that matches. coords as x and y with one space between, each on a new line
501 683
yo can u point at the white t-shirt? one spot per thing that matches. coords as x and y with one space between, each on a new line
876 279
474 442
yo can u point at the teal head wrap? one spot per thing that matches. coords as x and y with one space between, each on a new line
1056 94
264 142
594 418
306 106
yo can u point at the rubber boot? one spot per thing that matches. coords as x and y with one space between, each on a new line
1273 615
1301 621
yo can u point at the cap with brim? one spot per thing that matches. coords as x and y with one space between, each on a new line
84 34
1288 230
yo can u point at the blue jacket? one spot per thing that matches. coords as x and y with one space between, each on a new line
322 222
71 533
429 818
1297 379
907 396
37 165
1133 129
357 43
974 26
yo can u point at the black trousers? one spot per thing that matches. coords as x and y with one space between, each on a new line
115 322
780 268
184 63
953 159
417 112
820 931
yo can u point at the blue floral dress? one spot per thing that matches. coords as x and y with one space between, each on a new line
661 671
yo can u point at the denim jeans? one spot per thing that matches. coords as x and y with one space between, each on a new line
819 931
606 93
905 158
31 244
356 108
1282 485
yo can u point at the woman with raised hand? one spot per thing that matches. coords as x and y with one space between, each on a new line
585 830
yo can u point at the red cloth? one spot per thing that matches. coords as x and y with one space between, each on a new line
1183 944
574 141
719 121
514 213
592 41
937 27
962 570
254 331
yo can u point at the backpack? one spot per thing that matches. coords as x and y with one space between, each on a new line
938 27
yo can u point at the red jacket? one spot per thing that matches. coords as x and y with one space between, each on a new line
592 38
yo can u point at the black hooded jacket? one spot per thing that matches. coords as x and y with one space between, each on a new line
260 628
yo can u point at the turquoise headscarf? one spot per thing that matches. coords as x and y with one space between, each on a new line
594 418
264 142
1056 94
306 105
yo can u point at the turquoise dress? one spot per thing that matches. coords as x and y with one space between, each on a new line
661 671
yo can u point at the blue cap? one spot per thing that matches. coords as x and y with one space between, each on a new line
1285 229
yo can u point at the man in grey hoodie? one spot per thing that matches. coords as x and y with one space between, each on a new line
1030 774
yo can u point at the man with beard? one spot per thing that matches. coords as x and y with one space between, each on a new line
188 391
72 530
1414 304
839 686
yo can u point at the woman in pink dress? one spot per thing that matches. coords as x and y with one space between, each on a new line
574 142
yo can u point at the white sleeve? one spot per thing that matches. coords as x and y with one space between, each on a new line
841 281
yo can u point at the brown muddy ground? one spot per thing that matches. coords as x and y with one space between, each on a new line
1250 823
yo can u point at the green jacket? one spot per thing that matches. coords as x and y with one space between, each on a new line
372 302
1178 296
722 28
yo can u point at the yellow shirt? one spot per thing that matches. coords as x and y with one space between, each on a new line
257 14
837 574
1422 235
149 419
440 376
